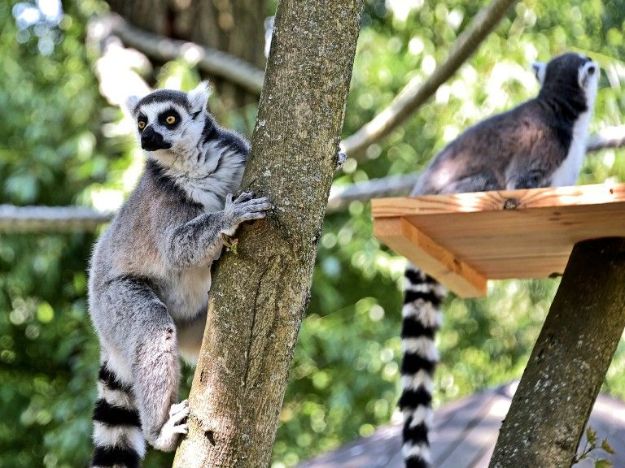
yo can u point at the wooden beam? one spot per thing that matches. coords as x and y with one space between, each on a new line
569 361
500 234
500 200
436 260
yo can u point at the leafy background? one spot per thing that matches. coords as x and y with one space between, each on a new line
61 144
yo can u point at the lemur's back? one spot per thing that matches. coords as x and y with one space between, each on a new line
489 145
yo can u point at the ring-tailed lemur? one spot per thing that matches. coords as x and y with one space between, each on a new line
150 271
537 144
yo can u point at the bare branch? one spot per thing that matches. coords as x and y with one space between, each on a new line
117 67
341 197
610 137
50 219
415 94
212 61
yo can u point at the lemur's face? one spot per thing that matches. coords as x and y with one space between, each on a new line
168 120
570 73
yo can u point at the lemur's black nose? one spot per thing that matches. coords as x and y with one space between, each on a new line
152 140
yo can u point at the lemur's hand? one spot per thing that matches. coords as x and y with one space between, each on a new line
244 208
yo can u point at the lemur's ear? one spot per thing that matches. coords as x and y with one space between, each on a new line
131 104
540 69
198 97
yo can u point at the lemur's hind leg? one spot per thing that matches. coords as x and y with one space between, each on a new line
156 371
143 339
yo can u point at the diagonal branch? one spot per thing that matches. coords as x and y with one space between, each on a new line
415 94
609 137
211 61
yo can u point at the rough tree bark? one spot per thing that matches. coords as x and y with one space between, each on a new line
569 361
233 26
258 297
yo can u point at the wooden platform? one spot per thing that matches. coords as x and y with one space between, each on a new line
464 435
465 239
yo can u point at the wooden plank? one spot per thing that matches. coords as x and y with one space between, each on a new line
406 239
499 234
498 200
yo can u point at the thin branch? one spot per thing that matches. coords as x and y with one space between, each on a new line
609 137
117 68
211 61
15 219
415 94
341 197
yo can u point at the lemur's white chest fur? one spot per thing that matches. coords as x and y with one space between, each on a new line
206 176
568 171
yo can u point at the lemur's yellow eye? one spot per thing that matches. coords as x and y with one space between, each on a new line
141 124
170 120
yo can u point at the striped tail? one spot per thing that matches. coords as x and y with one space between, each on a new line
117 434
421 319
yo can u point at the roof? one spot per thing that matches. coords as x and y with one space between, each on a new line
465 432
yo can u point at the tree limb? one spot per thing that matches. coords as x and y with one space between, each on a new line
415 94
609 137
15 219
341 197
211 61
569 361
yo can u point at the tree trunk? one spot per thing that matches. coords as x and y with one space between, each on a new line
569 362
258 297
233 26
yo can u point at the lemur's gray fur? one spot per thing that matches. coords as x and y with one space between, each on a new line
150 271
540 143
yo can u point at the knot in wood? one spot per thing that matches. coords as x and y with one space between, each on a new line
510 204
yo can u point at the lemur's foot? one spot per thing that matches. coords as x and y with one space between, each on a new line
175 425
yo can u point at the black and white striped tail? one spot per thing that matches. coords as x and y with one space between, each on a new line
117 434
421 319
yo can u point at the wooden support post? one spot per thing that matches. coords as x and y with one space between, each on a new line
569 361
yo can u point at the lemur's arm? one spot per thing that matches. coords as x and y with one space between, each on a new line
200 240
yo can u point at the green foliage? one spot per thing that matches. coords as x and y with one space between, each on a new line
591 448
344 379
